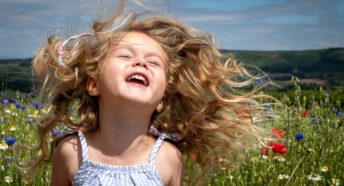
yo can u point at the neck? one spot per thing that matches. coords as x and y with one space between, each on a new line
122 128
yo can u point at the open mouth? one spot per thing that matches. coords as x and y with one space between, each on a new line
138 79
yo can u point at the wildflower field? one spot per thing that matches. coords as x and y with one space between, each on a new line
308 145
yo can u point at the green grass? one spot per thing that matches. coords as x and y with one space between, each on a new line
311 113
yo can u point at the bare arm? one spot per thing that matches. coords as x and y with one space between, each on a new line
177 170
65 163
170 164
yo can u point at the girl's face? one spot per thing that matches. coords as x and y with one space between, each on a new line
134 70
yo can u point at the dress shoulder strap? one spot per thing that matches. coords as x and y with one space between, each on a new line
156 148
84 150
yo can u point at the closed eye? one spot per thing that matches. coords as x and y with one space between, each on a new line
124 56
123 53
154 61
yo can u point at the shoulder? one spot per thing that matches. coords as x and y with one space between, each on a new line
170 163
66 158
170 153
67 147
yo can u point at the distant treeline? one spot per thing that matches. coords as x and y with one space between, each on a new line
323 60
324 64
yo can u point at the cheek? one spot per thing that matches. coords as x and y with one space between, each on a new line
162 84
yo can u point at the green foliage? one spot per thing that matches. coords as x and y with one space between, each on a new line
326 65
16 75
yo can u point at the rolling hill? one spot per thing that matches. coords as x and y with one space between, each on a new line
324 66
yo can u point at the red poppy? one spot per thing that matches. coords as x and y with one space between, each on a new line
305 113
279 148
277 133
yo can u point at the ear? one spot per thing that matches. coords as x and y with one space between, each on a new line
92 86
160 106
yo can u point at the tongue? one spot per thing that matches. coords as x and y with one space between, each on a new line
137 82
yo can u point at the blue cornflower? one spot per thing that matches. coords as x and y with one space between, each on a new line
34 103
260 81
37 104
19 106
57 132
299 136
10 140
5 100
337 112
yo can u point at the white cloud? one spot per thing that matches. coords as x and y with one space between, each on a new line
236 24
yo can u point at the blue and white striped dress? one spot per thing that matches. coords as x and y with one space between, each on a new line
92 173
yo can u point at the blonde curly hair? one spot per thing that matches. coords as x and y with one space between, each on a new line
206 102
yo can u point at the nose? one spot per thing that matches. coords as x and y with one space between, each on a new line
141 63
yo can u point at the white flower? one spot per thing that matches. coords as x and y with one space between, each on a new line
336 182
13 127
230 177
8 179
283 176
279 158
314 177
324 168
3 146
265 157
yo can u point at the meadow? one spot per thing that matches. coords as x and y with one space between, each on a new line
308 145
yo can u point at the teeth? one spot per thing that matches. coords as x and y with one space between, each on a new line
139 77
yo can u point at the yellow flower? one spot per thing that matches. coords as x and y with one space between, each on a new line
8 179
13 127
35 114
336 182
279 158
324 168
254 159
7 111
3 146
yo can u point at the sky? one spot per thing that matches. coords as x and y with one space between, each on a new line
236 24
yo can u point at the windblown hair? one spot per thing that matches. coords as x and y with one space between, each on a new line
206 102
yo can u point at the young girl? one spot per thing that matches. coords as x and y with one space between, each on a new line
144 91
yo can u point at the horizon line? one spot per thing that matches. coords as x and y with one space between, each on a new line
226 50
